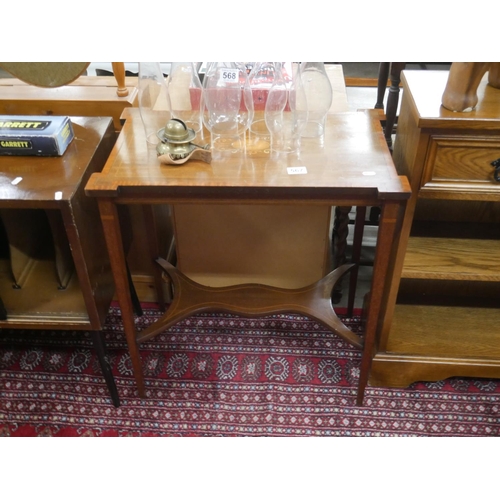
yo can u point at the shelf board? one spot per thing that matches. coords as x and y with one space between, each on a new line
452 259
445 331
40 303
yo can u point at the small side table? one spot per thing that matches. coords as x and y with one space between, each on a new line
353 168
54 268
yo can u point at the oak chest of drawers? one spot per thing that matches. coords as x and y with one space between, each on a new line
442 311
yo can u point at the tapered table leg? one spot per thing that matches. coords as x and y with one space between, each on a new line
114 243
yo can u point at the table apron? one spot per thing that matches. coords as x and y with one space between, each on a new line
174 200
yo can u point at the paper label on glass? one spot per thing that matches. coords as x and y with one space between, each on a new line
229 75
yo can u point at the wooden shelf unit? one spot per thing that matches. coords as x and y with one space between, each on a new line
442 317
54 267
95 96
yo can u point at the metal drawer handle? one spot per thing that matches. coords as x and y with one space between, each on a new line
496 165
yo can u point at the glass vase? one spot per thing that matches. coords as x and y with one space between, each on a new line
227 105
286 112
319 95
154 101
184 90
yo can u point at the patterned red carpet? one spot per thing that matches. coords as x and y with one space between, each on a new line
222 375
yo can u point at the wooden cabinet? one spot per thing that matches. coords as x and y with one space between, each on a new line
442 316
95 96
54 267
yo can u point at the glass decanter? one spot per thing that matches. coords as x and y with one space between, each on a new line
227 105
154 101
184 90
319 95
286 112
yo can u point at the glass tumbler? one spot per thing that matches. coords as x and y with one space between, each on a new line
319 95
184 90
261 79
154 101
286 112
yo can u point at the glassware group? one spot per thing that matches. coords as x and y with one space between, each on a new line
267 103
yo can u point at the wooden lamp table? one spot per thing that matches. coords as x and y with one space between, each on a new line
353 168
54 270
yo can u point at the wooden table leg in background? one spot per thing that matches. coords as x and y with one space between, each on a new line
357 244
383 76
339 243
394 70
105 368
119 72
391 109
112 233
154 252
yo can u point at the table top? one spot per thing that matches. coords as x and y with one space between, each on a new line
354 165
27 181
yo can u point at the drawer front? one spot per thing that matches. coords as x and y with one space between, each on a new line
461 165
